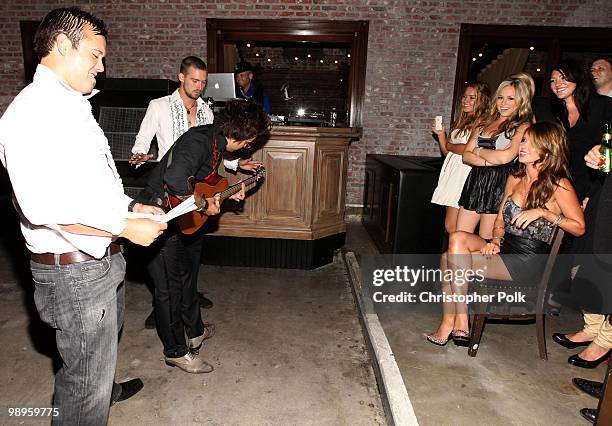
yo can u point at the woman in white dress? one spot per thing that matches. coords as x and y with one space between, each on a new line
454 173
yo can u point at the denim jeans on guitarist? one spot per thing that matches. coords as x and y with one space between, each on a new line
84 303
174 271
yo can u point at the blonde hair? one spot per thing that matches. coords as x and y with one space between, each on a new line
523 113
550 141
527 79
466 122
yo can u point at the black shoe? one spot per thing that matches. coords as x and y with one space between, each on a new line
583 363
562 340
150 321
461 337
128 390
204 302
589 413
595 389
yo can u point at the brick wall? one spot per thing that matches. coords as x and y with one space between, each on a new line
411 50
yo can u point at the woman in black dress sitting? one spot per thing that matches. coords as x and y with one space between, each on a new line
536 198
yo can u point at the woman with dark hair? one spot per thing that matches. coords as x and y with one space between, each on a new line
537 198
472 110
195 157
583 114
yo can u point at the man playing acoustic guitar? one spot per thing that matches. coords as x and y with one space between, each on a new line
193 159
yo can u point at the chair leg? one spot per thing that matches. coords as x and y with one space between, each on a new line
541 331
476 334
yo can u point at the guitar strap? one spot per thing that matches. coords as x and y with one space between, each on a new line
191 180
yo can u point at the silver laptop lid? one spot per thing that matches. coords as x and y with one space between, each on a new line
220 86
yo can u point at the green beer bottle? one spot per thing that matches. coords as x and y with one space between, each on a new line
605 165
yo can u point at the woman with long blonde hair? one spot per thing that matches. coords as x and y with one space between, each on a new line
492 153
472 109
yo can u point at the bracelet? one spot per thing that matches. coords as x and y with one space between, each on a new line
131 205
558 219
501 241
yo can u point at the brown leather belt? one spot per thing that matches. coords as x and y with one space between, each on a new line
72 257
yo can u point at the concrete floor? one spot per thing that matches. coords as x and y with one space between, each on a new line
505 384
289 350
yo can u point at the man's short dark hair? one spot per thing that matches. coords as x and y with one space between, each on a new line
242 119
606 58
69 21
192 61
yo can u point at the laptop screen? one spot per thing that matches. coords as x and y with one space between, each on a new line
220 86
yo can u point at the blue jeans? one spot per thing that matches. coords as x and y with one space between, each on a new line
84 303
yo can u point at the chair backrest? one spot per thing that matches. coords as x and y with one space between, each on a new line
557 239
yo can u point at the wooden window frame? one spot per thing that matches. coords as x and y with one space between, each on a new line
554 38
353 33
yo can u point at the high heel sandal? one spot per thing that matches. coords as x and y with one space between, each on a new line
431 338
461 337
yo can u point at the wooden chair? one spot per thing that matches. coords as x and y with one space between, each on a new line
536 294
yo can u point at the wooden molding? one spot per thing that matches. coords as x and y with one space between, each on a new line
353 33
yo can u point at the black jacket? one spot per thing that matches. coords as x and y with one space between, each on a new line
195 155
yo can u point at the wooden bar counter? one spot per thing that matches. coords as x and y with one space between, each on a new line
299 206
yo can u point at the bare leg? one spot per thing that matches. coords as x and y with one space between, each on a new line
590 332
593 352
467 220
448 308
464 255
486 225
450 222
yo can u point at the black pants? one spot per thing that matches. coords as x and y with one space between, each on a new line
174 271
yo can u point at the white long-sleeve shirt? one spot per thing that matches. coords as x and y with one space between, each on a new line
166 118
61 168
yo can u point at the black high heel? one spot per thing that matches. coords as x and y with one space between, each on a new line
438 341
461 337
562 340
583 363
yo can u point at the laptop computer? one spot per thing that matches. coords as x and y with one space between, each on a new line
220 86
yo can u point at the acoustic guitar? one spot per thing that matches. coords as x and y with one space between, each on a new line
215 184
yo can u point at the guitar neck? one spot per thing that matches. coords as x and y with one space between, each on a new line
231 190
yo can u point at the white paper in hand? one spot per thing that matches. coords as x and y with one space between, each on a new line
188 205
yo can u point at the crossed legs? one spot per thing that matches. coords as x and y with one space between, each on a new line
463 255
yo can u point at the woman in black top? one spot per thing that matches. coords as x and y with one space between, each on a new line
583 114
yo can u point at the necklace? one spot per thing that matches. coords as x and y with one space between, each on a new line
188 108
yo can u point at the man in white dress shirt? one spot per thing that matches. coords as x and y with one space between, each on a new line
170 116
72 207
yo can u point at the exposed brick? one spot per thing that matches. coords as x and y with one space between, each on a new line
411 50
